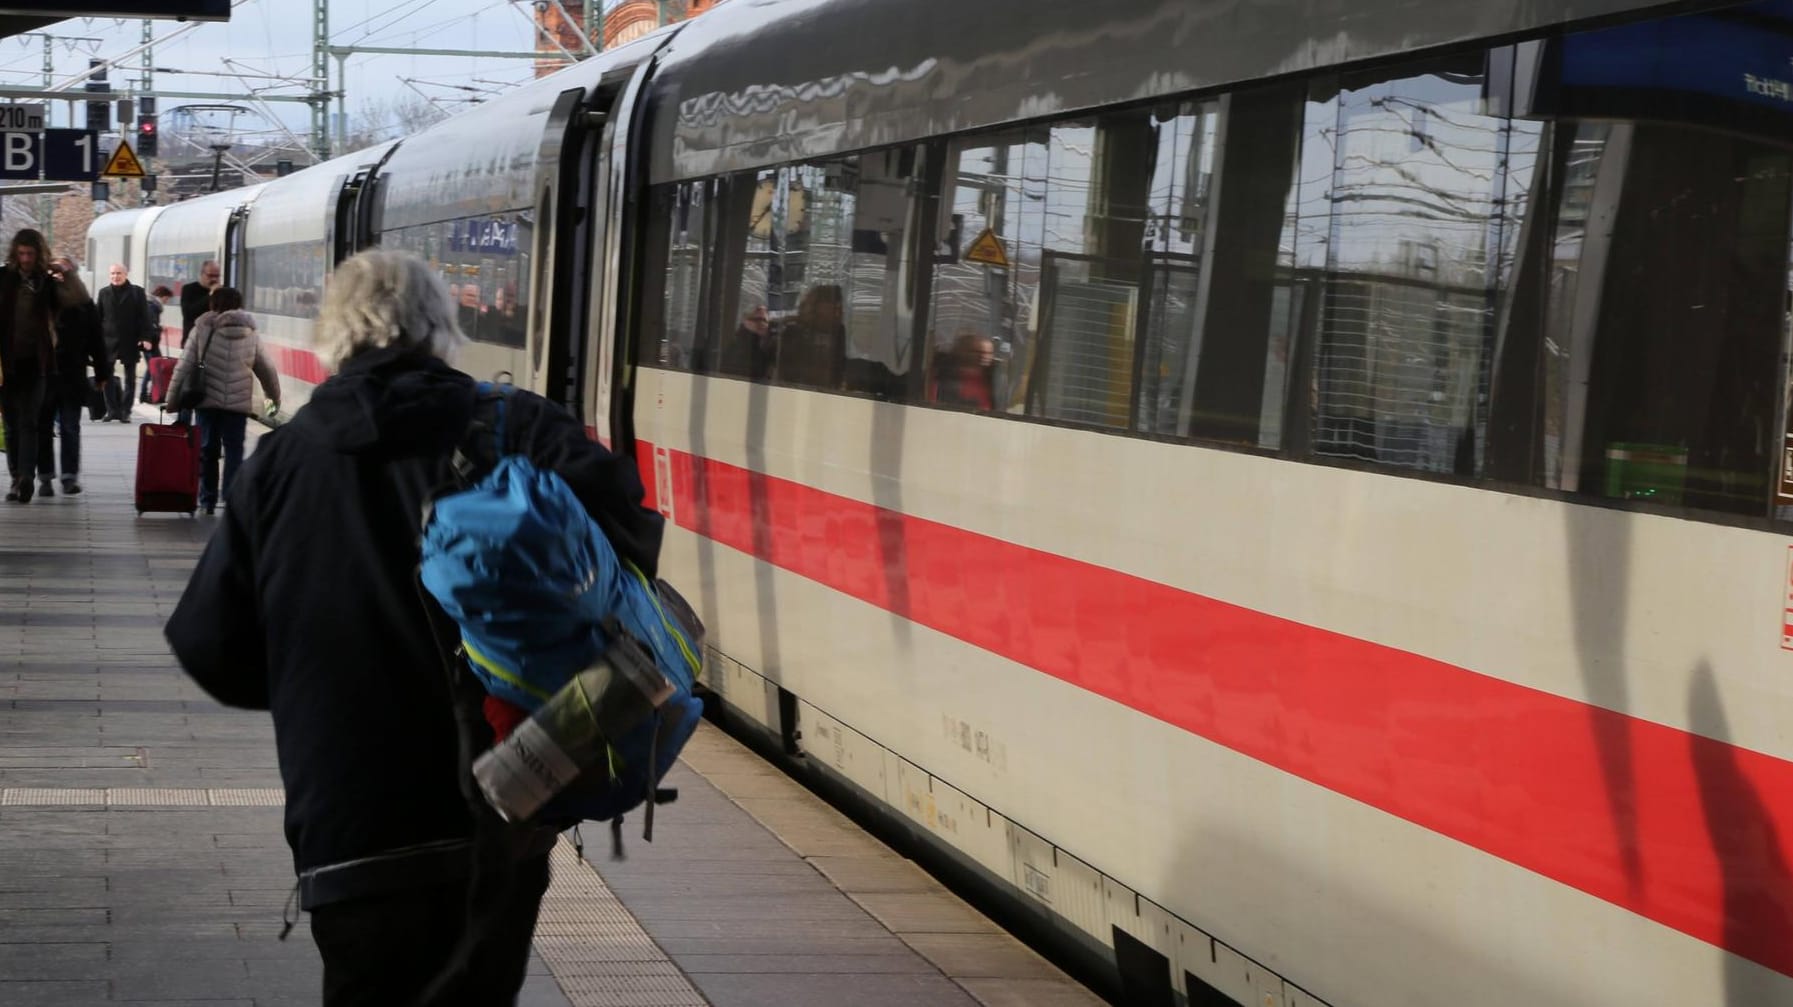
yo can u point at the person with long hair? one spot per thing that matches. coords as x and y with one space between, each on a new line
32 291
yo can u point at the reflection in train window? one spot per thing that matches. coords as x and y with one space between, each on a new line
684 207
985 295
1559 264
807 266
285 279
485 262
1402 183
175 271
1650 304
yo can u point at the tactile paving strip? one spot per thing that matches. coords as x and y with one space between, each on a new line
142 797
596 949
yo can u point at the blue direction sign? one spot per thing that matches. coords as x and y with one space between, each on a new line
55 155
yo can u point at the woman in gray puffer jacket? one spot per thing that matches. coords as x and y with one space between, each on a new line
233 359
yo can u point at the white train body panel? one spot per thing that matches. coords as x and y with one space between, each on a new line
1336 895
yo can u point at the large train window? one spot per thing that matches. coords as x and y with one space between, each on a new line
486 263
1399 222
789 275
1640 352
1082 283
285 279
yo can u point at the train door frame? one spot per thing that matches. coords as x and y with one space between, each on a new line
610 366
345 229
234 246
561 216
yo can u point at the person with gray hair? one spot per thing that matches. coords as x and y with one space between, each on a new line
305 604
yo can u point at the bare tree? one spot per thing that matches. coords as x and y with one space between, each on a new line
389 118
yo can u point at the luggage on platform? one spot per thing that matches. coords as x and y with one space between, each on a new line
167 468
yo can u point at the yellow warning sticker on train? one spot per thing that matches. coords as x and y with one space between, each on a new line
988 250
124 163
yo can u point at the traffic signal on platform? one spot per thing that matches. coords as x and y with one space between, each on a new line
146 136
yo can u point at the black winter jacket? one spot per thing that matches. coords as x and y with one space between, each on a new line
304 602
80 350
124 312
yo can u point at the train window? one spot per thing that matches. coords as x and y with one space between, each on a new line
806 265
1407 176
284 279
1096 177
485 263
175 271
1651 303
1220 295
685 208
986 292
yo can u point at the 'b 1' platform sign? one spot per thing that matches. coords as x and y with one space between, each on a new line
54 155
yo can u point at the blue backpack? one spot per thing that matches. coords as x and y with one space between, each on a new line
538 594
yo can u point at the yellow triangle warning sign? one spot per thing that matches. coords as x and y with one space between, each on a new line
988 250
124 163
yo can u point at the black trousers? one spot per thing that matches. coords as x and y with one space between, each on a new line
22 399
385 950
122 395
66 402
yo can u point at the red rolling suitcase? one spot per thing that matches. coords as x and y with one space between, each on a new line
161 371
167 468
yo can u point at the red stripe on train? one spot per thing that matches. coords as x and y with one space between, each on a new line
1521 774
295 363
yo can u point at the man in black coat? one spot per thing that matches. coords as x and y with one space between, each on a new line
196 297
337 644
82 365
125 319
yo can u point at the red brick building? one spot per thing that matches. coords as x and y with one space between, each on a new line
625 22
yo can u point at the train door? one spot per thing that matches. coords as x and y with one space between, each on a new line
233 247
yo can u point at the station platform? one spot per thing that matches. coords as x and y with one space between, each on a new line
142 860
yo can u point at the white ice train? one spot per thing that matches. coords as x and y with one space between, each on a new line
1292 494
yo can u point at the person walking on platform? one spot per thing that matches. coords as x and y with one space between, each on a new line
31 292
80 348
225 354
152 348
336 641
125 317
196 298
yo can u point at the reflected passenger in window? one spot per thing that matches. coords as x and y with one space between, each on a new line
812 349
469 312
504 322
749 351
966 374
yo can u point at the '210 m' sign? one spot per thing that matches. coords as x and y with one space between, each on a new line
54 155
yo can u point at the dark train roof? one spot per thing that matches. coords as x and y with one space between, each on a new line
757 82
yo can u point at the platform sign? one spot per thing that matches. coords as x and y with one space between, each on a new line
22 118
123 163
988 250
71 155
54 155
203 10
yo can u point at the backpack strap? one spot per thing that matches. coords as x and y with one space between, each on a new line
485 442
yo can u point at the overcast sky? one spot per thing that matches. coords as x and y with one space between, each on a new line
274 37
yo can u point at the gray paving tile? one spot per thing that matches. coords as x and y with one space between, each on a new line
1030 993
898 963
824 990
